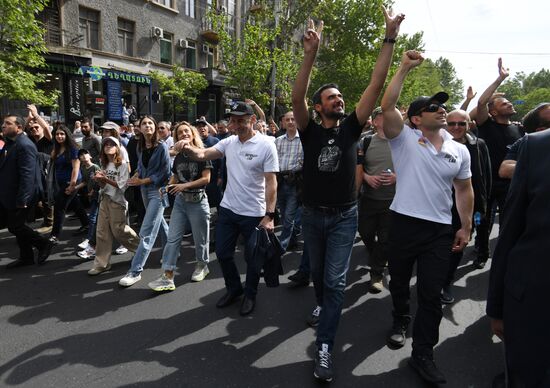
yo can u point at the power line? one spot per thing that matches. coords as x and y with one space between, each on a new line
485 53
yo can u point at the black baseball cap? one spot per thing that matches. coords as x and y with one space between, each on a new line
200 122
239 108
421 102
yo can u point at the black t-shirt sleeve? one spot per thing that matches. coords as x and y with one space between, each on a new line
351 123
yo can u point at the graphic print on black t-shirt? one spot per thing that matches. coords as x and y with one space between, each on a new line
329 158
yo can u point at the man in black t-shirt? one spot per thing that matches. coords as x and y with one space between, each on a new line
495 127
537 119
330 211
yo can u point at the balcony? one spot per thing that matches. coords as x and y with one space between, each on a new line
208 33
213 76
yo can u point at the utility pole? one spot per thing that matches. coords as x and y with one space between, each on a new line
277 12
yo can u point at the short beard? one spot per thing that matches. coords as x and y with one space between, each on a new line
334 115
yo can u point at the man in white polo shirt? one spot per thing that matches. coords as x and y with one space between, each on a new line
428 164
249 199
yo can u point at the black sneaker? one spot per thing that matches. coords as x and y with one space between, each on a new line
426 368
398 333
479 263
81 230
323 364
313 319
446 295
299 279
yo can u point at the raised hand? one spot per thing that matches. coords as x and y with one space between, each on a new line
392 23
312 37
411 58
33 112
470 93
503 72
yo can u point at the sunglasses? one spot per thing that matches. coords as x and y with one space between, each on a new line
432 108
459 123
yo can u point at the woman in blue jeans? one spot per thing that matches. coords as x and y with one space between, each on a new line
152 174
188 183
66 171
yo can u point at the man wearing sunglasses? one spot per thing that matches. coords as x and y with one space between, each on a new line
428 164
458 125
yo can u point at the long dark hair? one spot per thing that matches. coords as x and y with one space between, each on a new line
141 141
69 143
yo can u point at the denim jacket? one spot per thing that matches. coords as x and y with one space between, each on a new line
159 166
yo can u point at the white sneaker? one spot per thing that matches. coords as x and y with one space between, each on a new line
129 279
88 253
121 250
84 244
201 270
162 284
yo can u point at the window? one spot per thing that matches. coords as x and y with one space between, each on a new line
89 27
189 8
191 55
125 37
210 57
166 3
166 48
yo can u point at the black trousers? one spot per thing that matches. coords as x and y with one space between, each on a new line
428 245
27 238
497 199
62 202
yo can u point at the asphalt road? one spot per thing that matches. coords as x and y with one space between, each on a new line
60 327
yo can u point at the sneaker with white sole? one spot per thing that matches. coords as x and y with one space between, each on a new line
323 364
84 244
97 270
88 253
163 283
313 319
121 250
200 272
130 279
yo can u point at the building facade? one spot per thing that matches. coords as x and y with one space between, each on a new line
100 53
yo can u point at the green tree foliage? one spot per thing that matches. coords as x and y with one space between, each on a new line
183 85
449 82
21 52
527 91
248 61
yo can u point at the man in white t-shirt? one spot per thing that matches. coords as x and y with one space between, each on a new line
428 164
249 199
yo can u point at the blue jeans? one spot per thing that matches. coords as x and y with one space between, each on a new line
153 223
228 227
92 219
329 238
197 214
304 262
287 201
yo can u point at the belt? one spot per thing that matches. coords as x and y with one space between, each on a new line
332 209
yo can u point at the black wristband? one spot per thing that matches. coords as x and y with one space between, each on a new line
388 40
271 215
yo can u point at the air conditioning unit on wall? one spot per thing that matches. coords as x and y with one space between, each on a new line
156 32
182 43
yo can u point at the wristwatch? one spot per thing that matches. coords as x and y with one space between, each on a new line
271 215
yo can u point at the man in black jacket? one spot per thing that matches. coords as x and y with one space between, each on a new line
458 125
519 286
20 188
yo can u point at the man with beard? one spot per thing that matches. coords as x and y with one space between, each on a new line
495 127
90 141
330 200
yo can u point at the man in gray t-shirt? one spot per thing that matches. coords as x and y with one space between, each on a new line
90 141
376 174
